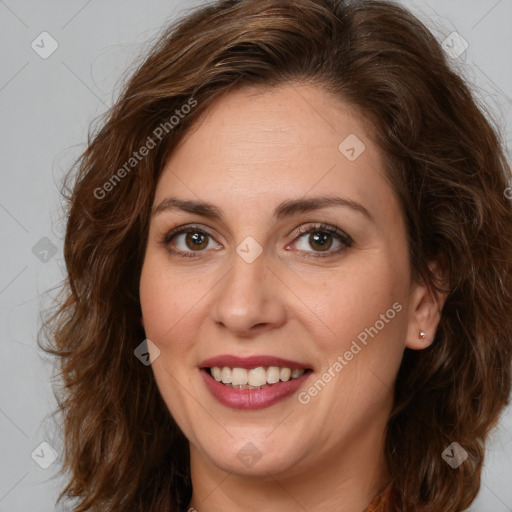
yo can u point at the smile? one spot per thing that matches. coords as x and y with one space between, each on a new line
252 382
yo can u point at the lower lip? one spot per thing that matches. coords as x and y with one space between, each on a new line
252 398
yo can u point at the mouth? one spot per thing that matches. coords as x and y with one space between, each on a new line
252 383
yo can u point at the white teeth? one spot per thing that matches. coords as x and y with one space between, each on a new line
254 378
257 376
216 373
284 374
226 375
239 376
297 373
273 374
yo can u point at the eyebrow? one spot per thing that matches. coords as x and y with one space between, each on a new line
284 209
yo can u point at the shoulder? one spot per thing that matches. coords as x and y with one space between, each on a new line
385 501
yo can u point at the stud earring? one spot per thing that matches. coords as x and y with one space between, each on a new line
422 334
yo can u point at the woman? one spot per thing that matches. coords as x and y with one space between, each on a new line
289 258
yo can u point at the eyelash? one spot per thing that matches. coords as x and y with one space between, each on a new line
318 228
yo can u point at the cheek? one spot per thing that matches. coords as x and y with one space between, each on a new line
169 303
361 335
352 299
167 299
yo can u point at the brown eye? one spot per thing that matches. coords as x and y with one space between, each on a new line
189 241
196 240
320 241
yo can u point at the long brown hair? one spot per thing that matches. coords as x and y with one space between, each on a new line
123 450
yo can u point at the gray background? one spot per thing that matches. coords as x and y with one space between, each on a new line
46 108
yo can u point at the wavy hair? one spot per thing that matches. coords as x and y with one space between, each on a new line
444 158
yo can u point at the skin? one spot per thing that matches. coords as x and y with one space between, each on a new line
251 151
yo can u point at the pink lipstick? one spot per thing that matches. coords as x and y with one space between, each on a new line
253 382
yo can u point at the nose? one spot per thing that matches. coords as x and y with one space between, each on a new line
250 299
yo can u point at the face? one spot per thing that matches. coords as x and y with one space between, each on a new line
276 283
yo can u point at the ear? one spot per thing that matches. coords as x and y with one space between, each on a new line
425 309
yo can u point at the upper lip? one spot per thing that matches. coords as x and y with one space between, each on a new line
232 361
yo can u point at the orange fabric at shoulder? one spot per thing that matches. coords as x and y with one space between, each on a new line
384 502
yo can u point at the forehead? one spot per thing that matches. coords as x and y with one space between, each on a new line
254 147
